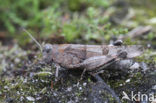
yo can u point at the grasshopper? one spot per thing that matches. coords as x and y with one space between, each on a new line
91 58
88 57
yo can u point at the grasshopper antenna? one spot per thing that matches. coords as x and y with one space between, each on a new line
39 45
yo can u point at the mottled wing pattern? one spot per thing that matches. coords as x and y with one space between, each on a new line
87 51
93 56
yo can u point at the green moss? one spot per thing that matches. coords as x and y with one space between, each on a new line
129 41
148 57
78 94
70 32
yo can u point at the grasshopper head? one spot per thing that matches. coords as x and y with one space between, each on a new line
47 52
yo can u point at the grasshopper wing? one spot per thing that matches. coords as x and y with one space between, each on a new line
87 51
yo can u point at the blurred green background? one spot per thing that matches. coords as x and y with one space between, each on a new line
76 21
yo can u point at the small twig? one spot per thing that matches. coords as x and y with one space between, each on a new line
39 45
84 71
57 71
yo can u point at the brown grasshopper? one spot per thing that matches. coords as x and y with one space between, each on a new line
91 58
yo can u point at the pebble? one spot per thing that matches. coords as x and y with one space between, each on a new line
135 66
18 92
123 64
17 60
121 84
128 80
21 98
11 65
70 101
76 99
152 20
29 98
69 89
38 98
100 91
54 94
84 84
6 87
80 88
154 87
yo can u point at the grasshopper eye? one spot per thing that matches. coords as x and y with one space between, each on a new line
47 48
